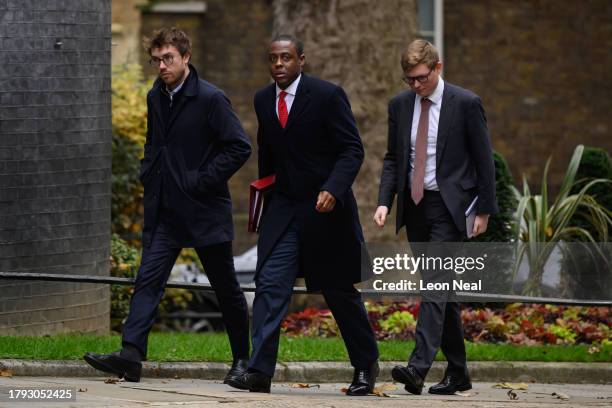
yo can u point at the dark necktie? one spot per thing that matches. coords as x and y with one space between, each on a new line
420 153
282 109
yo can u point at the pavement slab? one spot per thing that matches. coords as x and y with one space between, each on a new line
93 392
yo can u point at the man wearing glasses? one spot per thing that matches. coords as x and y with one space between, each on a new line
194 144
439 159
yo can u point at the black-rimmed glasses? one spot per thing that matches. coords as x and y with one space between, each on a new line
168 60
421 78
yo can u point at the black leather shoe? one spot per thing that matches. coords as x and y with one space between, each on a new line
115 364
364 381
252 381
413 383
239 368
451 384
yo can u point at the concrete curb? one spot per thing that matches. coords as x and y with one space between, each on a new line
321 372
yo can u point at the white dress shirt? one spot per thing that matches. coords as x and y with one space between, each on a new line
432 135
291 89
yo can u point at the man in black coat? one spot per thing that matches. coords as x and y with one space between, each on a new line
308 137
439 159
195 143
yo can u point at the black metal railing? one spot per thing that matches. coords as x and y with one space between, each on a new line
461 296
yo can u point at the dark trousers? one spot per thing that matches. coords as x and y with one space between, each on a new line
274 285
155 267
439 322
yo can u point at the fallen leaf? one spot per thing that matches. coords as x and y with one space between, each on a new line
305 385
82 389
463 393
385 387
380 394
560 395
111 381
6 373
512 395
512 386
344 390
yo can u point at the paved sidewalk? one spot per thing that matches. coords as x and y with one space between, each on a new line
94 392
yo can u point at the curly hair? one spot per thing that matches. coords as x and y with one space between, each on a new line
168 36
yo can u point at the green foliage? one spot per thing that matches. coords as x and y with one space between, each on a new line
129 102
124 263
540 226
500 227
565 334
399 322
590 276
594 164
126 211
129 123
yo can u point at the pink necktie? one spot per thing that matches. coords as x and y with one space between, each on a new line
420 153
282 109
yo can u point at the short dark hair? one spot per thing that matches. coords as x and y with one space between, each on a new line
299 45
168 36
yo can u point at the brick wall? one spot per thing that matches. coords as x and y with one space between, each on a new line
55 158
542 68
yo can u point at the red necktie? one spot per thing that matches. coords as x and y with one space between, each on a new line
420 153
282 109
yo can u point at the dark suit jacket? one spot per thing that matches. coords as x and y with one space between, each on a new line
319 149
190 160
464 159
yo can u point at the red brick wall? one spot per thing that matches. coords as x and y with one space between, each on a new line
543 70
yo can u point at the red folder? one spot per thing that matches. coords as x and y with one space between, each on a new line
259 190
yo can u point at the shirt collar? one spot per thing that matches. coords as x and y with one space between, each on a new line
291 89
178 88
436 96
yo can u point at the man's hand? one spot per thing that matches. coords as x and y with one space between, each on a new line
480 224
325 202
381 215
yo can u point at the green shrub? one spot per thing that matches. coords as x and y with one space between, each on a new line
399 322
129 123
595 163
590 277
124 264
542 226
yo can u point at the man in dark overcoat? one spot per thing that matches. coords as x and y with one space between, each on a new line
194 144
308 138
